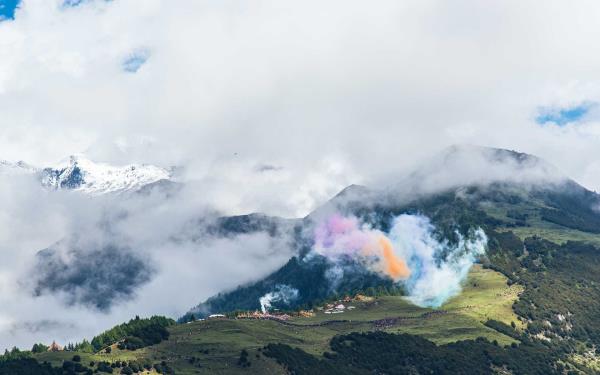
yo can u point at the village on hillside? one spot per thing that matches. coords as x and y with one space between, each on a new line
334 307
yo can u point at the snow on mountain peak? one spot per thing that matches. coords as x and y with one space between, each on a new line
80 174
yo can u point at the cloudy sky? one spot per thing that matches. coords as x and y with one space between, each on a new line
274 106
327 93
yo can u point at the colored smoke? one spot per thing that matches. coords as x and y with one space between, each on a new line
282 293
431 270
341 237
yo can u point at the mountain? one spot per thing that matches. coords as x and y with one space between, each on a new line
528 303
81 174
516 193
78 173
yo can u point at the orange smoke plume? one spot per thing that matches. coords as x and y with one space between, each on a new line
395 267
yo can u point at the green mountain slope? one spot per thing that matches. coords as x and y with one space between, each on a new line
215 345
522 210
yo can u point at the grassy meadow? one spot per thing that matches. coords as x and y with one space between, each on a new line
214 346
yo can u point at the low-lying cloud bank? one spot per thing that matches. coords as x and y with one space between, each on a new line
98 277
109 258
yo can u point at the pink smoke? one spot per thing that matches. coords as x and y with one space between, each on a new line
339 236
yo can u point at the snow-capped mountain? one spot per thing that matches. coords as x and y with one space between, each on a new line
81 174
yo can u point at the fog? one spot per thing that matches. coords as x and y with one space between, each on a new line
110 258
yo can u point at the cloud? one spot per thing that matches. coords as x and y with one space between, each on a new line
42 326
231 86
96 277
467 165
114 257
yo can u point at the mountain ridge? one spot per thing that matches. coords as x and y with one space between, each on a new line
77 173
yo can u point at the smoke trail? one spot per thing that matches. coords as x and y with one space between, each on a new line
282 293
432 271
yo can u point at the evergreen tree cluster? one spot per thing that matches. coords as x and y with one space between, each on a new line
383 353
135 334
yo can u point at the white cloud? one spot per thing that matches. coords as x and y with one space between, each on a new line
292 84
187 264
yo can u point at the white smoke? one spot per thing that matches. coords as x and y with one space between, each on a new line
438 268
335 275
282 293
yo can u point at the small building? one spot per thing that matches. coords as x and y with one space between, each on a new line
306 313
216 316
250 315
54 347
363 298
